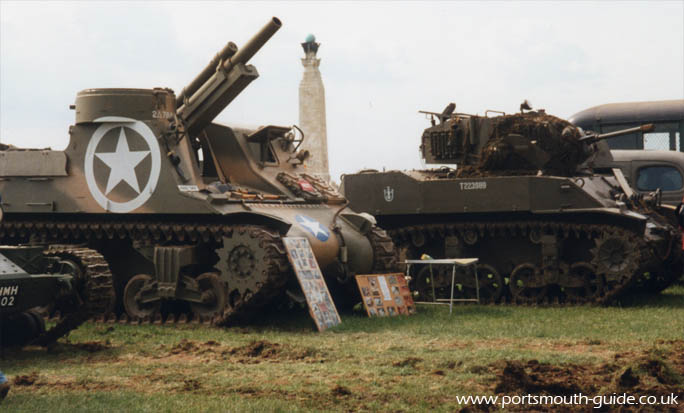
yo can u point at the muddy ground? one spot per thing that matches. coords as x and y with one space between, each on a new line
658 371
652 373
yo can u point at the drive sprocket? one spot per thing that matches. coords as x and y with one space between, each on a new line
253 263
611 254
616 257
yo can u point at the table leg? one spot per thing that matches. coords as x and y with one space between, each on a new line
453 279
477 284
408 274
432 283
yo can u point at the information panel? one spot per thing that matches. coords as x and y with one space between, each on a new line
321 306
385 294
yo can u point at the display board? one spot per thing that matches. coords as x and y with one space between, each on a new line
385 294
321 306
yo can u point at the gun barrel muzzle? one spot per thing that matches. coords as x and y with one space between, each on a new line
642 128
599 137
250 48
647 127
221 81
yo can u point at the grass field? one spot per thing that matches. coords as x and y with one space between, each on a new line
417 363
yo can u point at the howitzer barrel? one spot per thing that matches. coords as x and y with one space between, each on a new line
226 53
250 48
216 86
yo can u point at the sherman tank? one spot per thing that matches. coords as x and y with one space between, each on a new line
34 280
525 200
188 214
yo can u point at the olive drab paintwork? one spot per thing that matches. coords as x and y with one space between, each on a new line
33 279
184 209
23 292
525 200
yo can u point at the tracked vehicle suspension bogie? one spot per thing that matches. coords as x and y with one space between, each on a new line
538 261
224 273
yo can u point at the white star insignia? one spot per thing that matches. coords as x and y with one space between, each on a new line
314 226
122 163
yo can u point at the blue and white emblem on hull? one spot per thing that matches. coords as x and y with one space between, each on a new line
314 227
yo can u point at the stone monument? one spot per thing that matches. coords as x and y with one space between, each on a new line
312 111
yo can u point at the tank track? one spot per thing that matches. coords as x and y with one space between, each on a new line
142 231
240 305
94 287
151 233
618 280
671 270
385 254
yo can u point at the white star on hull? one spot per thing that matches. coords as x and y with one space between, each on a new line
314 226
122 163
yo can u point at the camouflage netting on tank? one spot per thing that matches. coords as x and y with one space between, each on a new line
543 142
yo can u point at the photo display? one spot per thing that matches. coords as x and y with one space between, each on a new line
321 306
385 295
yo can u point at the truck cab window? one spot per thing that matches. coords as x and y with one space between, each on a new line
666 178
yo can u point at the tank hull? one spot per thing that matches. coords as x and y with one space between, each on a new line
542 238
189 215
195 221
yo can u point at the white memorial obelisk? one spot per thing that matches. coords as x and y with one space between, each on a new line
312 112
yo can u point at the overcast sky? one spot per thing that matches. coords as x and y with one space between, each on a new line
381 62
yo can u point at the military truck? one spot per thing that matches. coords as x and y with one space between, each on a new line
649 160
526 202
188 214
35 282
667 116
650 170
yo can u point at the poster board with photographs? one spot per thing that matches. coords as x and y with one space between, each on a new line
321 306
385 294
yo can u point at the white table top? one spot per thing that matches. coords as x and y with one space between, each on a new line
456 261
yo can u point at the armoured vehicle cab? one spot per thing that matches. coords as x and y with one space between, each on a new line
524 200
32 281
187 212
